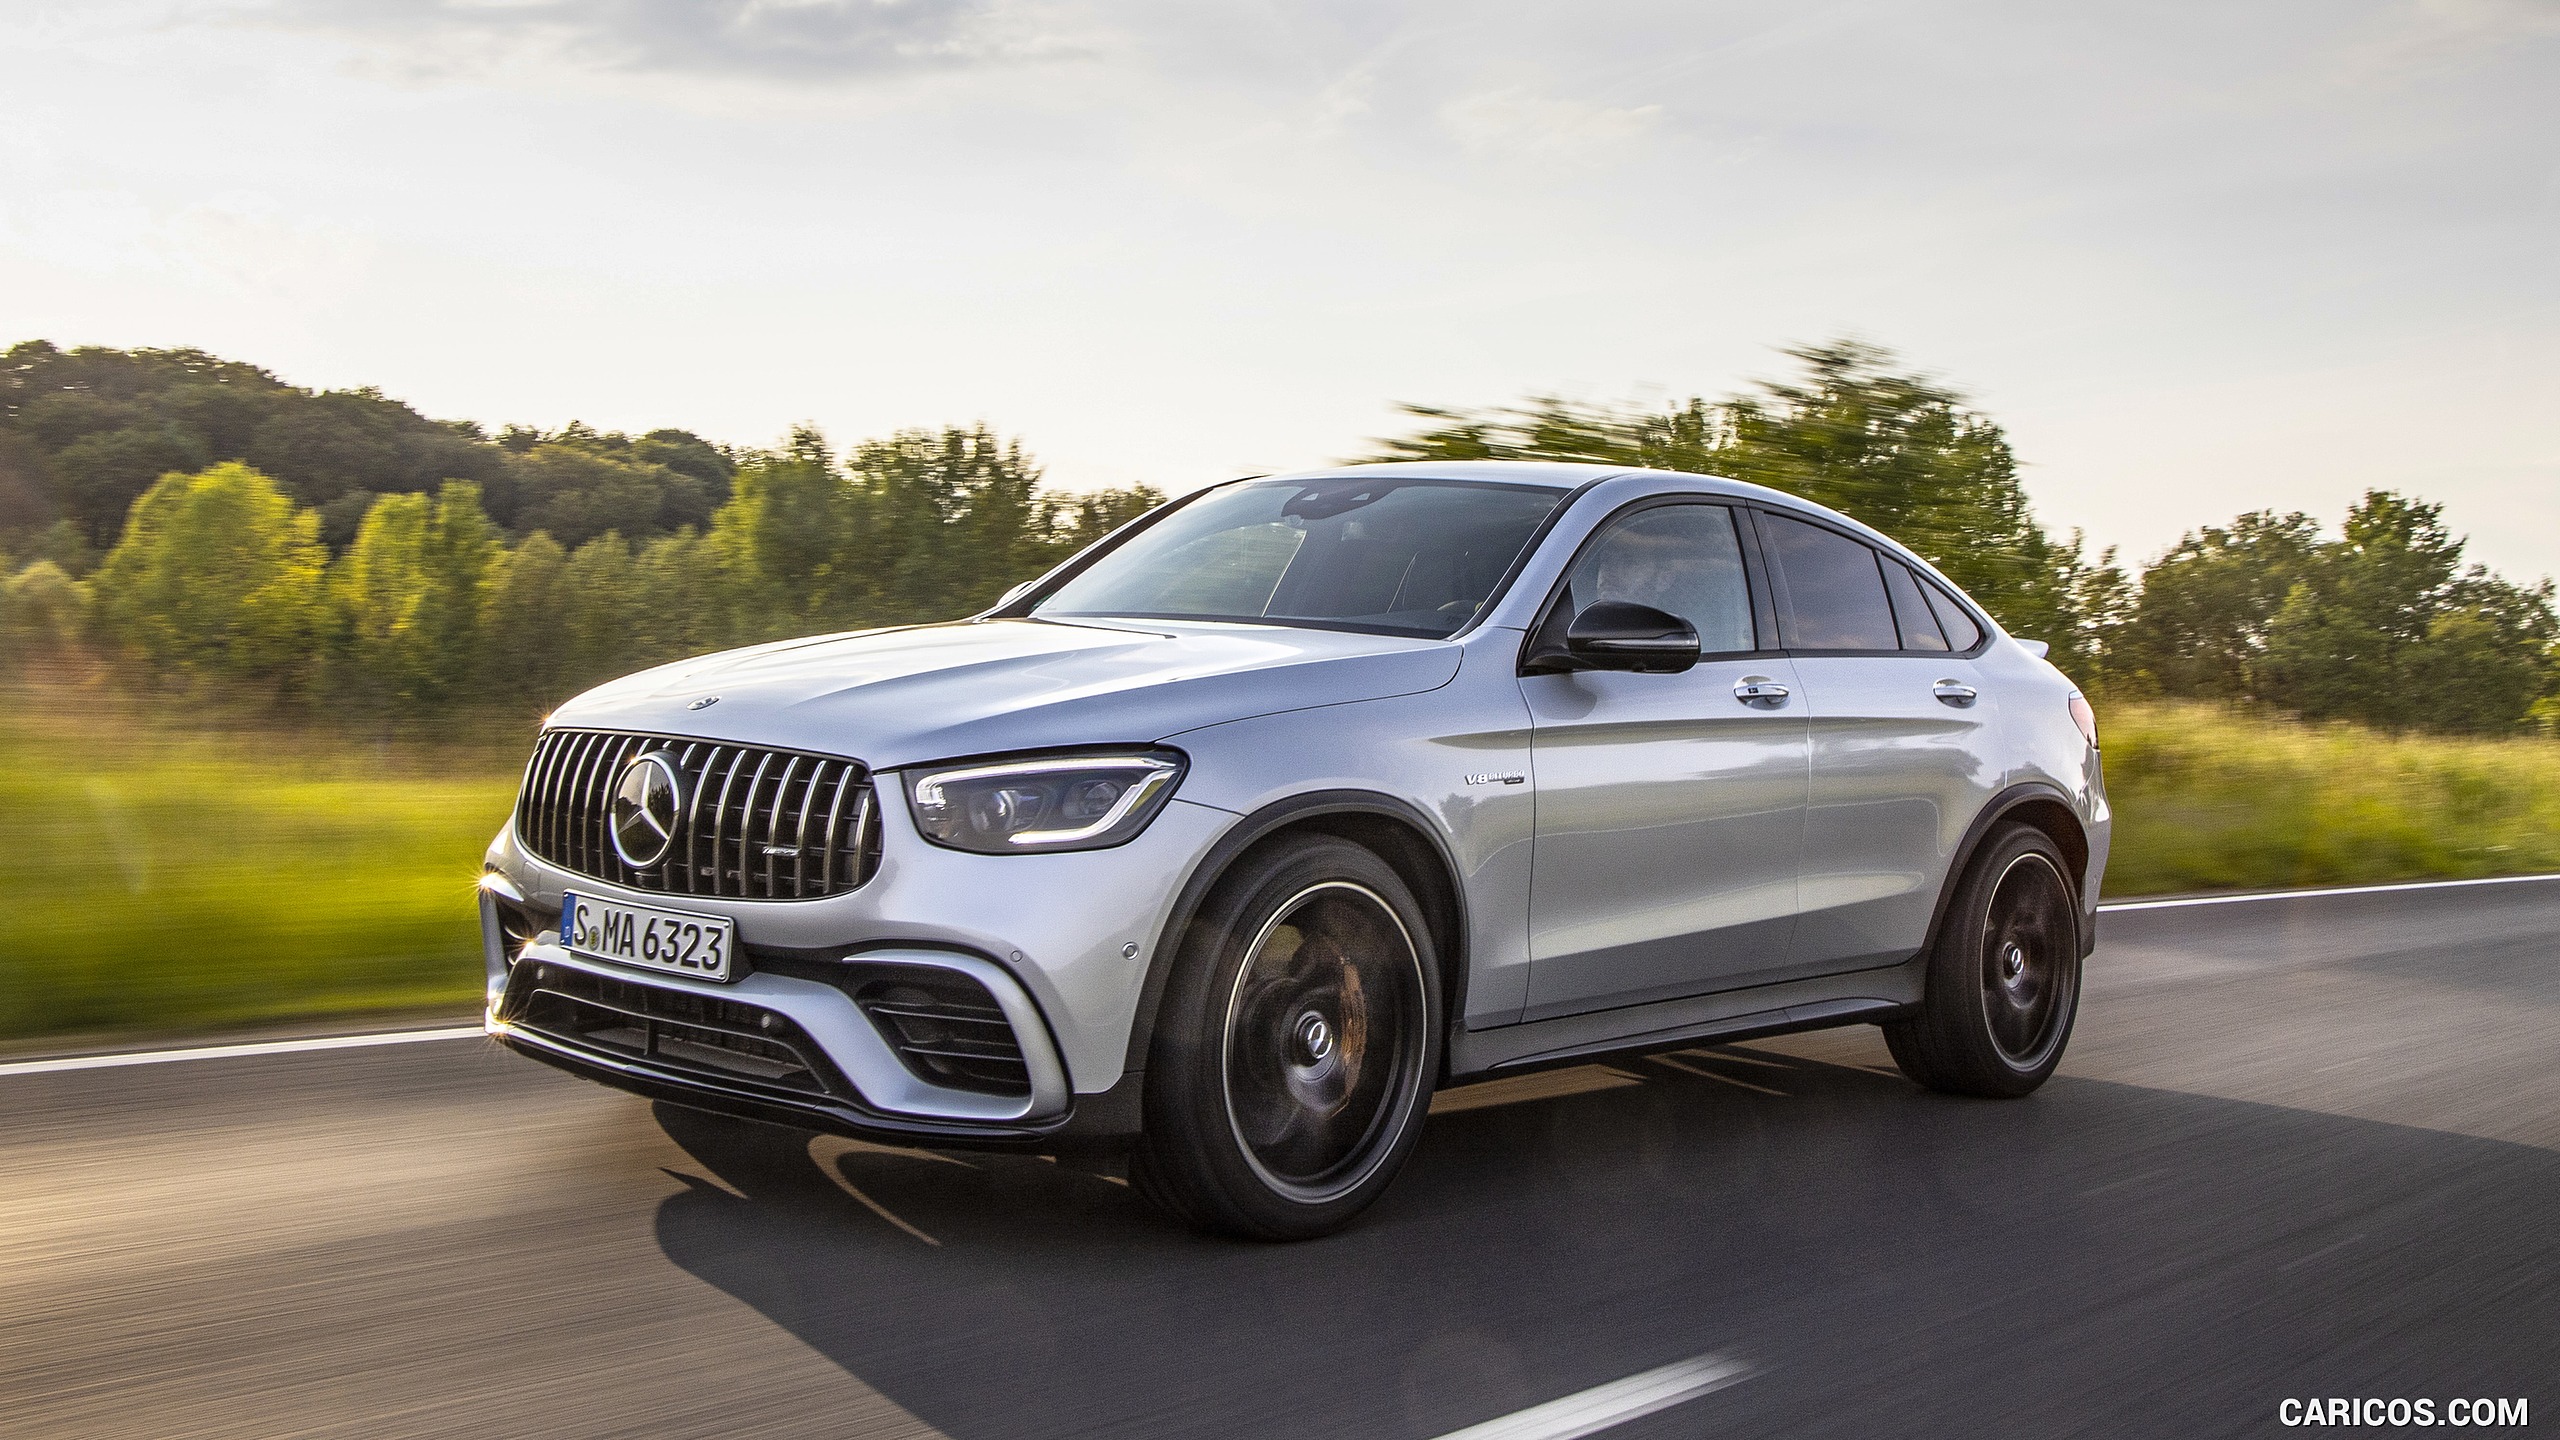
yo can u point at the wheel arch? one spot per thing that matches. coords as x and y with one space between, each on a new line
2038 803
1394 830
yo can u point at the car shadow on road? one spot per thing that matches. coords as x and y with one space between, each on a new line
2100 1258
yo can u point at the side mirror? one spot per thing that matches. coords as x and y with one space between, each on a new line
1621 635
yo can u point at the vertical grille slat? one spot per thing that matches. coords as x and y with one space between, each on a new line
555 791
862 850
800 836
573 809
600 778
827 842
773 825
747 816
537 778
692 816
595 805
740 804
719 819
693 820
595 857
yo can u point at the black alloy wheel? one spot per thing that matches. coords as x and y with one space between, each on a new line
2004 976
1296 1046
1320 1029
2030 956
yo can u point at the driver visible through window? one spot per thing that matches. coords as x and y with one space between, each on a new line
1684 559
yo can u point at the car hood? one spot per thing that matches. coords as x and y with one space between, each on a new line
932 692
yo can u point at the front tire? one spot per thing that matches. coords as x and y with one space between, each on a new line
2004 977
1296 1046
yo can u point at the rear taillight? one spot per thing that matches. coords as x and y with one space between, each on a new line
2085 718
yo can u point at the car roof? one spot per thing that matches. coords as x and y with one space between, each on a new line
1565 475
1561 474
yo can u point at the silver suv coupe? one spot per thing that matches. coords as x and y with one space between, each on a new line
1233 838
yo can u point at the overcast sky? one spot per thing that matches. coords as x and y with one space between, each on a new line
2197 258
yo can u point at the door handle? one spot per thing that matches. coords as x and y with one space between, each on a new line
1954 692
1760 690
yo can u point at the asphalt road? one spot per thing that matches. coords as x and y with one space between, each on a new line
2307 1147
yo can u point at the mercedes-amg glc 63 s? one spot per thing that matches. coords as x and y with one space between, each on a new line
1233 838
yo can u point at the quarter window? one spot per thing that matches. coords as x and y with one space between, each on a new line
1685 559
1835 593
1962 632
1919 628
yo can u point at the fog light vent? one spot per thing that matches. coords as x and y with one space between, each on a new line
946 1029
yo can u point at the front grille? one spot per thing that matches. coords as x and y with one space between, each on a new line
672 1029
751 823
946 1029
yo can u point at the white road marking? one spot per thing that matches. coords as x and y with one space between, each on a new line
1615 1403
2316 894
230 1052
473 1032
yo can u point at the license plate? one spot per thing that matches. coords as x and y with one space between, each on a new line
643 935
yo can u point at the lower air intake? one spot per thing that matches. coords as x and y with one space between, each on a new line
670 1029
945 1028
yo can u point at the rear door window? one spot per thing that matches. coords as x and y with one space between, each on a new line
1835 591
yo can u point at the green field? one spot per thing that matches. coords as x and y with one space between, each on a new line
2211 799
163 880
173 880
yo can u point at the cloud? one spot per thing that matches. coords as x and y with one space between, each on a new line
806 42
1545 127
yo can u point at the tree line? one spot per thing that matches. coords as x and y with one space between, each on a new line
199 522
2381 623
338 553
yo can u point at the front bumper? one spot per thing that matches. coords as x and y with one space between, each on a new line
1056 947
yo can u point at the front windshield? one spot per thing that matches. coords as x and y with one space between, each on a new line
1403 556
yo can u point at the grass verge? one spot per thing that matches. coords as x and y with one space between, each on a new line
2213 799
160 880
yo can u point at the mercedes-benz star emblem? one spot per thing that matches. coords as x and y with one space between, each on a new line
646 801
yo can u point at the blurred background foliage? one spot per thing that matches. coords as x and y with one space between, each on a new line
277 653
200 528
2382 624
195 521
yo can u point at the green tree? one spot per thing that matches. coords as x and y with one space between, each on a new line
526 595
2385 626
217 573
605 601
408 592
944 521
1078 520
576 492
2201 625
42 611
1895 450
27 487
787 537
99 476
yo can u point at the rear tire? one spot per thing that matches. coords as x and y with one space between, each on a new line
2004 976
1295 1049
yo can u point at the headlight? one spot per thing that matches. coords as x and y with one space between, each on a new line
1065 802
